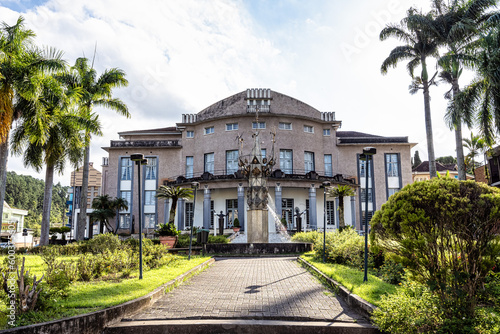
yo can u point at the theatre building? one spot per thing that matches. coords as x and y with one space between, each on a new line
205 147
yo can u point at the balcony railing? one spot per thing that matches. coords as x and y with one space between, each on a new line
145 143
262 108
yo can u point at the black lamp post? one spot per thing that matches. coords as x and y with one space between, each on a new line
325 185
195 186
139 160
367 152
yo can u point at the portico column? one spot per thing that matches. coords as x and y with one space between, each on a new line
313 221
166 212
241 206
337 215
180 214
353 212
277 200
206 208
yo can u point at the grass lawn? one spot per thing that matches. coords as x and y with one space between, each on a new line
85 297
352 279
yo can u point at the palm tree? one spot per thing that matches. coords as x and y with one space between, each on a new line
475 145
456 25
49 134
106 208
95 92
340 192
418 45
174 194
19 60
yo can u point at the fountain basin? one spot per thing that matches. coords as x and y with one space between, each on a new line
258 248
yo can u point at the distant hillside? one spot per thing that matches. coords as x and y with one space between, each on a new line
25 192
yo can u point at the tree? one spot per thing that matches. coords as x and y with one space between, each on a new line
418 45
457 24
446 233
106 208
173 193
49 134
19 61
340 192
95 92
447 160
475 145
416 160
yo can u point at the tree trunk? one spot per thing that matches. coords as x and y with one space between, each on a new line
4 156
82 218
47 202
458 136
428 122
341 213
173 208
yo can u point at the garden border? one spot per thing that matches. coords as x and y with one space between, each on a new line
359 304
96 322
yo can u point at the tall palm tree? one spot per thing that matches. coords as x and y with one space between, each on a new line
106 208
19 60
418 45
95 92
340 192
475 145
456 25
173 193
49 134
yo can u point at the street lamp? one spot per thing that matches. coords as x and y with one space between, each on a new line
139 160
325 185
195 186
367 152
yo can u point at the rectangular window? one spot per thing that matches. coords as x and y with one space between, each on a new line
231 162
209 130
392 191
126 172
392 165
126 195
286 161
189 167
363 194
307 212
285 126
232 211
189 134
287 207
308 128
362 165
149 220
258 125
151 169
189 213
149 197
326 132
308 162
209 163
231 126
263 152
330 213
124 221
328 165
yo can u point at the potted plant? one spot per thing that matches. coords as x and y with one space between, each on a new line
168 234
236 225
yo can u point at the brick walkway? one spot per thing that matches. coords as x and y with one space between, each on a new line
255 288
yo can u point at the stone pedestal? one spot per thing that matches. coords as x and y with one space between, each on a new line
257 230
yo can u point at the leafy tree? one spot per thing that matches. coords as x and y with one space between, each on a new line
340 192
418 45
447 160
106 208
416 160
20 60
95 92
174 194
446 232
475 145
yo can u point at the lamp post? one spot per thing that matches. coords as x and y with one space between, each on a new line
367 152
139 160
195 186
325 185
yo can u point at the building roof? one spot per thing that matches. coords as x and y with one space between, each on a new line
94 177
354 137
424 167
166 130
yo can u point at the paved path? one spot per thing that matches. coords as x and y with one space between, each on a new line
252 288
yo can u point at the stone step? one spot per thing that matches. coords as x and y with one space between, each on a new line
212 326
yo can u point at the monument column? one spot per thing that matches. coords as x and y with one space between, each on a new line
206 208
277 200
313 220
241 206
180 214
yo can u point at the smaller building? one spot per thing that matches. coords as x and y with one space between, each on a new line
13 220
421 172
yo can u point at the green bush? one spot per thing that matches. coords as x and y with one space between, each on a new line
88 267
391 272
309 237
345 247
217 239
102 242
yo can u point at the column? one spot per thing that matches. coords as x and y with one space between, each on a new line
180 213
241 206
166 212
353 212
277 200
337 213
313 221
206 208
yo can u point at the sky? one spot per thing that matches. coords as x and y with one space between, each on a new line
181 56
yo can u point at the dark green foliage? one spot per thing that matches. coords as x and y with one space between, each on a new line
444 232
345 247
168 230
102 242
416 160
391 272
447 160
183 240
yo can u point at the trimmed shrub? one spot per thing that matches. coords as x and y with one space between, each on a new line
309 237
345 247
102 242
391 272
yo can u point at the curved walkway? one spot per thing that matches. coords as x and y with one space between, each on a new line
273 288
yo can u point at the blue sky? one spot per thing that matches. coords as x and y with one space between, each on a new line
181 56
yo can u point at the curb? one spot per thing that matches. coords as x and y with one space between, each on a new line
357 303
96 322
